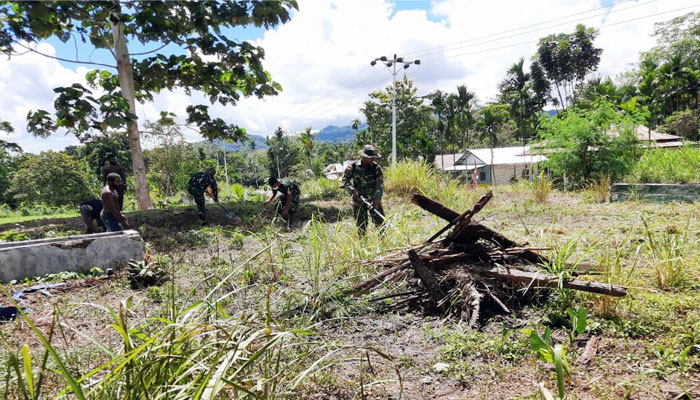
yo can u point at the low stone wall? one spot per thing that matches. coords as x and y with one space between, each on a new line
79 253
656 192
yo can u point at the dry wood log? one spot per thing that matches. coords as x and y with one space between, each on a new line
427 276
465 217
369 283
546 280
476 231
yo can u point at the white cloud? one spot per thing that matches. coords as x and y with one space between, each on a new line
321 57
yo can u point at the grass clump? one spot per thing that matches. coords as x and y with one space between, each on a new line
408 177
667 166
541 187
321 189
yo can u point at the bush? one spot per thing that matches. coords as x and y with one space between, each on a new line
667 166
52 178
321 188
584 149
408 177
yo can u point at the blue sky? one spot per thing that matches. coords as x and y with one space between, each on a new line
321 57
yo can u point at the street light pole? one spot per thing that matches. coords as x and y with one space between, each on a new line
391 65
393 115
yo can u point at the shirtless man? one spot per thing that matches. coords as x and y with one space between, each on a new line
113 166
111 214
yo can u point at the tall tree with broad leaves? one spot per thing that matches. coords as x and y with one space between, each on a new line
413 121
526 93
669 74
202 58
566 59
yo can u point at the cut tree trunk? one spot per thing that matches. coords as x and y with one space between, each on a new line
126 82
427 276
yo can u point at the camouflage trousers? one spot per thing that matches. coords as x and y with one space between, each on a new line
201 210
361 211
290 212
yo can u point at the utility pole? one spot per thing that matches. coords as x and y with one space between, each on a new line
391 65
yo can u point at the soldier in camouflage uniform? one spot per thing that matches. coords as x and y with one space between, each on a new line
288 202
198 184
365 178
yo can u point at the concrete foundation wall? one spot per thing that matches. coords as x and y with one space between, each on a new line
656 192
79 253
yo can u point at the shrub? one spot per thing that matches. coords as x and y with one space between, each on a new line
667 166
408 177
321 188
541 187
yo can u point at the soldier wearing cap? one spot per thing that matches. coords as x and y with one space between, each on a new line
365 178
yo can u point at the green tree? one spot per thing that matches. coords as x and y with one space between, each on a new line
413 121
584 149
283 154
463 106
669 74
203 59
495 127
52 178
526 93
172 161
307 141
10 157
685 124
566 59
97 150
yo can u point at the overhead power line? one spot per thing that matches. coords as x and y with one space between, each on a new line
535 41
531 31
528 26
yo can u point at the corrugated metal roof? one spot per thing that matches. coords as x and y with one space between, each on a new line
501 156
644 134
445 161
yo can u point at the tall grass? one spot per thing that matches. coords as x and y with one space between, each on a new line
668 256
541 187
322 189
408 177
601 188
667 166
195 352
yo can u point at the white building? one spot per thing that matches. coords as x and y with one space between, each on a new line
497 166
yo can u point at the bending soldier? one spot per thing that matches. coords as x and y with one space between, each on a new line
198 184
365 178
288 202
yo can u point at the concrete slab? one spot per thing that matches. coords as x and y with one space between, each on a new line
78 253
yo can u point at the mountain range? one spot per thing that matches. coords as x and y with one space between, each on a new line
329 134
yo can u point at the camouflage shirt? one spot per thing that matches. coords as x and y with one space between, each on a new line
199 183
369 180
288 186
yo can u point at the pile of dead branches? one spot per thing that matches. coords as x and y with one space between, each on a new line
471 266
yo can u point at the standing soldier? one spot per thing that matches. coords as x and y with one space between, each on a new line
198 184
113 166
365 178
289 198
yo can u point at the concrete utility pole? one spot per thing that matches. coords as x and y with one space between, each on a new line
391 65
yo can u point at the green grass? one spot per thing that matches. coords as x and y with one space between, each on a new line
667 166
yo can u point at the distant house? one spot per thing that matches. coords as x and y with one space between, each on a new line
335 171
651 139
497 166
